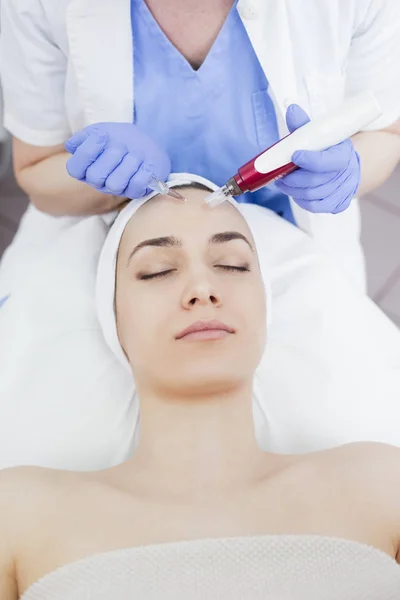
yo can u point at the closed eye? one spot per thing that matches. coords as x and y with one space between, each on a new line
160 274
147 276
232 268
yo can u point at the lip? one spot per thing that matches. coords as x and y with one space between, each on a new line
215 329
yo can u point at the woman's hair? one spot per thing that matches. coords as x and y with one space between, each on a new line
194 185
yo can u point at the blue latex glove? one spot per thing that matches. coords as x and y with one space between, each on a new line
3 300
326 181
116 158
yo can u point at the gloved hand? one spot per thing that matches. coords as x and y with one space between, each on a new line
326 181
116 158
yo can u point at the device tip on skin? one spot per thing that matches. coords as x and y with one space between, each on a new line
217 197
174 194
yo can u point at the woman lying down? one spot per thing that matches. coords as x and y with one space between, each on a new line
198 511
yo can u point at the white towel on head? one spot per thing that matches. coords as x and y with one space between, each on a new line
105 286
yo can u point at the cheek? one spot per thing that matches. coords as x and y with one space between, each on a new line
254 307
141 318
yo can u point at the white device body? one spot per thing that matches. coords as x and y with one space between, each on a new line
341 123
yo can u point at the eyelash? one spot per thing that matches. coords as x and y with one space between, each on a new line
155 275
232 268
168 271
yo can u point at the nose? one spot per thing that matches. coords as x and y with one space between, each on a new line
200 291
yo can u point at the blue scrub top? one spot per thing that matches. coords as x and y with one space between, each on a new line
212 120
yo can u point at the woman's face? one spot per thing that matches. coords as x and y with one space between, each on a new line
180 266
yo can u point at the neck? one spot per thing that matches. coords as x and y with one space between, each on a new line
203 443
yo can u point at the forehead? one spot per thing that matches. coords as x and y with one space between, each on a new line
189 220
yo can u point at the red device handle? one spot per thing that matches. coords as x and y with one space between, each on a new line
250 180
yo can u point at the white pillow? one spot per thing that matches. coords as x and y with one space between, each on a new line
64 402
330 374
331 371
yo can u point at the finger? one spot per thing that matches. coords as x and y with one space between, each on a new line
341 199
306 179
335 158
104 166
138 185
324 207
335 202
77 139
296 117
319 192
85 155
119 179
315 206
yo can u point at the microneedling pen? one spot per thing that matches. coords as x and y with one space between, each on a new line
274 163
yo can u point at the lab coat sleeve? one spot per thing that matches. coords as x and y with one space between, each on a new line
33 72
373 62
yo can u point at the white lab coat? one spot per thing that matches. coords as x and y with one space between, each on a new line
69 63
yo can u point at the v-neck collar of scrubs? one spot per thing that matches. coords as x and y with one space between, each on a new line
208 122
211 69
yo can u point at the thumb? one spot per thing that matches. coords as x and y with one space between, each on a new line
73 143
296 117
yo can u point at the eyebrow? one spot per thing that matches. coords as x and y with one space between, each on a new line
227 236
167 241
170 241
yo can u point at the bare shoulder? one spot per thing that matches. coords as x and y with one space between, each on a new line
366 463
17 481
360 452
26 493
29 494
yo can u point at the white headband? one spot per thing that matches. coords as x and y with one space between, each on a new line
106 272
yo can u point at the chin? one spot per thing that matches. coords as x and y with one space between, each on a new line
210 381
